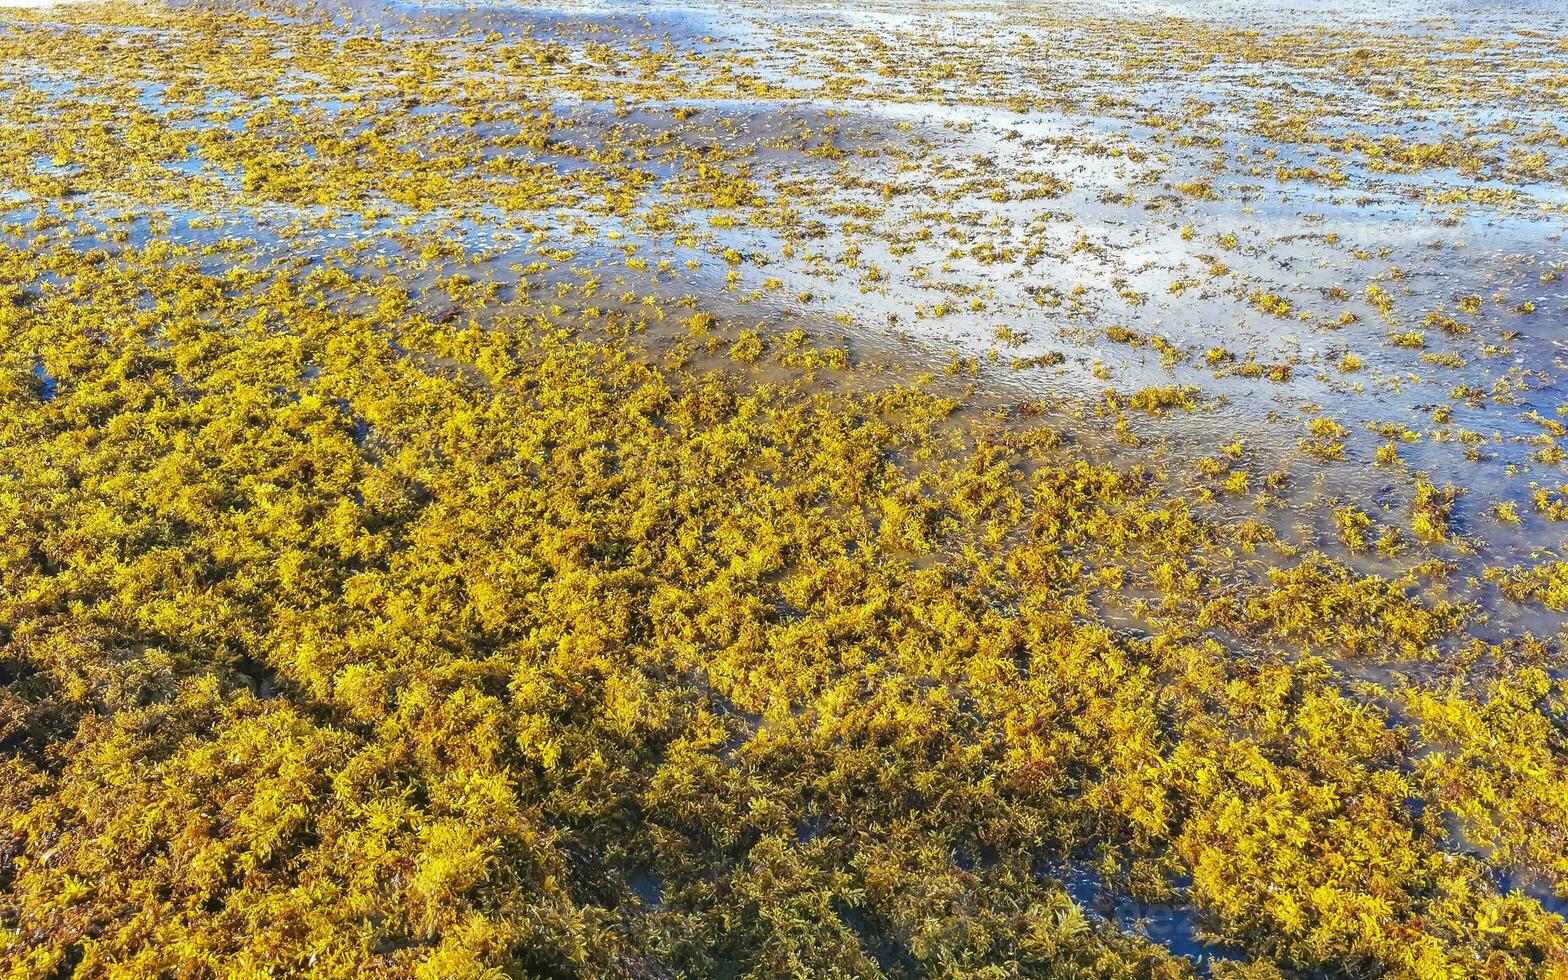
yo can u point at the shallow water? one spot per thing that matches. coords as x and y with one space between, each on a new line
1036 204
1026 205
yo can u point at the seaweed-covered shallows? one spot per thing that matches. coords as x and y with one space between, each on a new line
446 529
